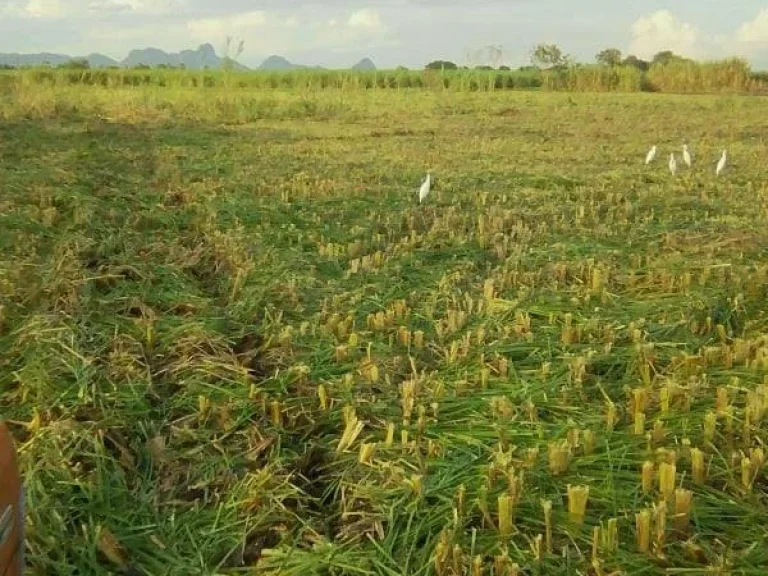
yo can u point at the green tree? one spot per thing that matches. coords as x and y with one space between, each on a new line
548 56
609 57
441 65
77 64
664 57
635 62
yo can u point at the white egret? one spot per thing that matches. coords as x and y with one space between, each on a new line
720 164
651 155
424 190
686 155
672 164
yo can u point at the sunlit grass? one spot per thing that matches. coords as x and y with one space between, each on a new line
231 337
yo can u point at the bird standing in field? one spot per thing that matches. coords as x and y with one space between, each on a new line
720 164
686 155
650 156
672 164
424 190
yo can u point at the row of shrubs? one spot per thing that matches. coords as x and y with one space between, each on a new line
731 75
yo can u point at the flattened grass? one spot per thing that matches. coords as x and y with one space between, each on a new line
199 288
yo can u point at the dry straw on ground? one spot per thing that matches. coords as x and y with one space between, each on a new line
231 338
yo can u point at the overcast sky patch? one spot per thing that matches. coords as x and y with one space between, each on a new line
392 32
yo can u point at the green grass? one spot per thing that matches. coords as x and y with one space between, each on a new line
196 286
731 75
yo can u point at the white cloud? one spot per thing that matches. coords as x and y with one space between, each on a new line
150 7
215 29
309 33
283 32
755 31
662 30
44 9
360 28
750 40
366 18
61 9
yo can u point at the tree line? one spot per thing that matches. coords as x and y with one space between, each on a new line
548 56
550 69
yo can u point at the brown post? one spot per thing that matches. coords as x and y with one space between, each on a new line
11 520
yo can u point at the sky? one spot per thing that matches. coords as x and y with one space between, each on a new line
338 33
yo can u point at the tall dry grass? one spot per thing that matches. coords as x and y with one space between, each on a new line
731 75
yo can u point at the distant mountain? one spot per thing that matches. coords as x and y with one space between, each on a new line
204 56
364 64
100 61
95 60
277 63
147 57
